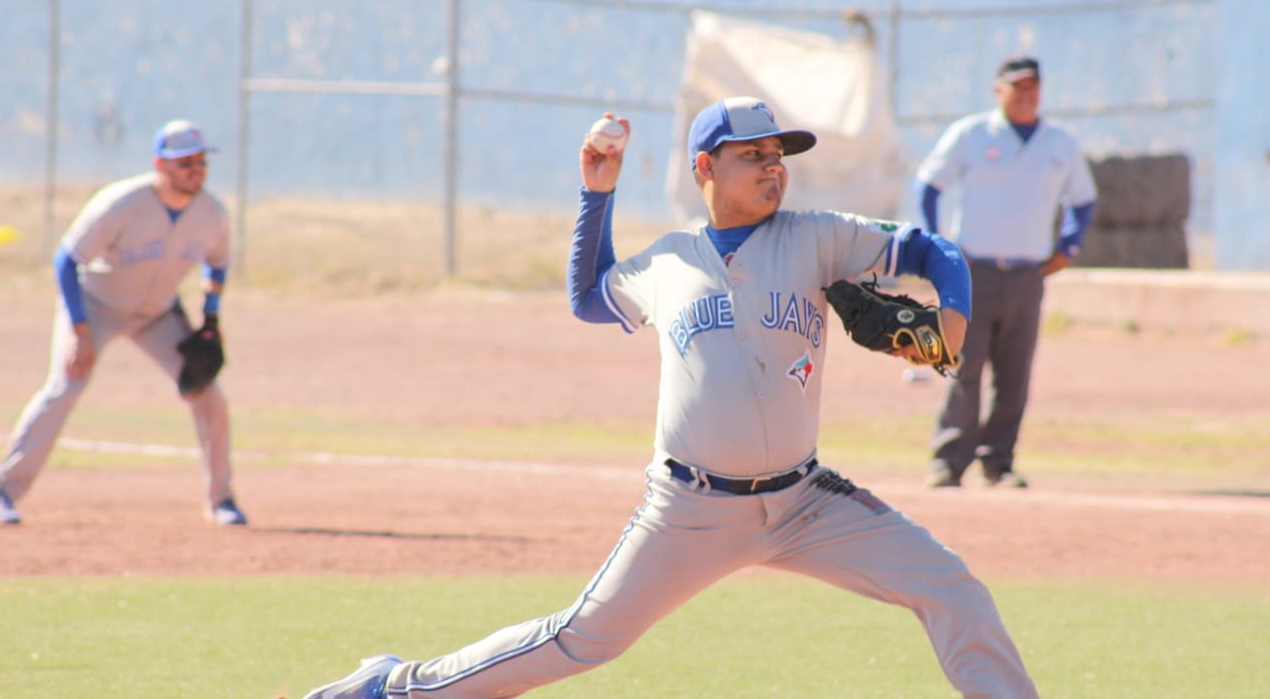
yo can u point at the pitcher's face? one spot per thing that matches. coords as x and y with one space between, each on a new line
749 180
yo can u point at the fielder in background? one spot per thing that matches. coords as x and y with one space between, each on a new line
1015 170
118 267
740 312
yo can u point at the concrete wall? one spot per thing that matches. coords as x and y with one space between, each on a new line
1241 158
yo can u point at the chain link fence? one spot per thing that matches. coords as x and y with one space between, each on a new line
443 134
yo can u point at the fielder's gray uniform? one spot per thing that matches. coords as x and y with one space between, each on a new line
131 257
742 348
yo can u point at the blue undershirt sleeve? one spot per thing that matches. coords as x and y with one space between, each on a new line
68 283
937 260
590 256
216 274
928 197
211 299
1075 220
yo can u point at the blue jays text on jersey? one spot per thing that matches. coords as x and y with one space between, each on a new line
714 311
808 323
706 313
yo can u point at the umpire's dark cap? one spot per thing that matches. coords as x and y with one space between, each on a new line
1016 68
741 119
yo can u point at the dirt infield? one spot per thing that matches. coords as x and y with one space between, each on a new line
461 358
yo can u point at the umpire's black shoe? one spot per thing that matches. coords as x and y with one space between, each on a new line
943 477
1005 479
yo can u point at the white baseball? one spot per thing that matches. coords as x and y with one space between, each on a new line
606 132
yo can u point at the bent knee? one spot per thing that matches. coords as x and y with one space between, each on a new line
592 650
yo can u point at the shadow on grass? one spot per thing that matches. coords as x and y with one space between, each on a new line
388 534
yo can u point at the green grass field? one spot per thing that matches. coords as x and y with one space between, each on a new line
756 635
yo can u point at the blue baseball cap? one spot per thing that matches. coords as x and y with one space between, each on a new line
741 119
179 138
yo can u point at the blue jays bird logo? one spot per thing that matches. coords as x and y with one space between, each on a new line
802 369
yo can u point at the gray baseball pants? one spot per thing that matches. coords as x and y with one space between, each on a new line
684 539
45 415
1003 333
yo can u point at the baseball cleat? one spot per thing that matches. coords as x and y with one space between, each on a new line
227 514
8 515
367 682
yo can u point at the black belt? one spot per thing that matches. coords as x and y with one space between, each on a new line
739 486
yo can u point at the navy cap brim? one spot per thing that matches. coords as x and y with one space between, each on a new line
794 141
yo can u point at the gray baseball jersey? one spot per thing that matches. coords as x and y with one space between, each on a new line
751 407
133 255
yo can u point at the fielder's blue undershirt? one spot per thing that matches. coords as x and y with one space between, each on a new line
591 255
68 282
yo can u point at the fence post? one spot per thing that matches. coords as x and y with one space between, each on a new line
50 138
450 184
244 117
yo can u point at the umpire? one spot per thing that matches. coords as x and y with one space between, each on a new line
1014 170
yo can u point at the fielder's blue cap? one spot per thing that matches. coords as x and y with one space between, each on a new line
741 119
179 138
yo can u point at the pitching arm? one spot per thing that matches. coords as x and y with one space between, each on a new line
590 256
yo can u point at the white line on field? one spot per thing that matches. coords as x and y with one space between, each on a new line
107 447
1218 504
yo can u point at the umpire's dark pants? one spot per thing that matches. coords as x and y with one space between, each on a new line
1003 331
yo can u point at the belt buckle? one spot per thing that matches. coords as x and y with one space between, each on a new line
754 484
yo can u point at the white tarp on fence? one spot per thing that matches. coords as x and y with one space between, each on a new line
811 81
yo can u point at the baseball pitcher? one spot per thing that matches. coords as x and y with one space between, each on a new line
741 315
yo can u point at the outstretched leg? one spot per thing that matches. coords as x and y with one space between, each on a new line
855 541
677 544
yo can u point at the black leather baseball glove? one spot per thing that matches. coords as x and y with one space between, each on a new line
884 322
204 356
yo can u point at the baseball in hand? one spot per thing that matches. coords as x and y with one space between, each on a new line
606 132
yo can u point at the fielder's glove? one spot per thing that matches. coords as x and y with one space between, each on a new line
204 357
884 322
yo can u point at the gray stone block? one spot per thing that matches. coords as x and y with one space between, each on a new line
1142 190
1152 246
